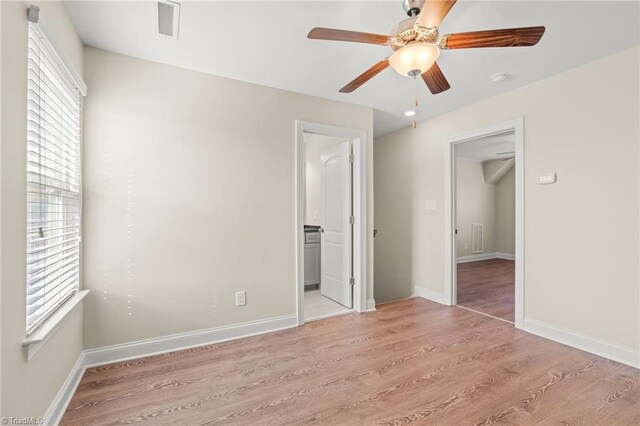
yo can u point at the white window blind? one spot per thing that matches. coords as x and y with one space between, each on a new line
53 180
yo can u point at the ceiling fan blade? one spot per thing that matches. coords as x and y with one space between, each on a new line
365 76
433 12
345 35
529 36
435 79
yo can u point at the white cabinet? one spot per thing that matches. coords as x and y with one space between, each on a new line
312 264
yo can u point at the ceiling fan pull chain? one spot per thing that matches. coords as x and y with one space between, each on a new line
415 101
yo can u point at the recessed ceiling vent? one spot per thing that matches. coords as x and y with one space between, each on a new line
169 18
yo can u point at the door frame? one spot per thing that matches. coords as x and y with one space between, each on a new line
515 125
358 139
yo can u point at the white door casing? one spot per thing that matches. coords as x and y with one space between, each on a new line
362 298
335 219
517 126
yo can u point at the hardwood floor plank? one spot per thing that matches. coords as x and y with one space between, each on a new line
488 286
409 362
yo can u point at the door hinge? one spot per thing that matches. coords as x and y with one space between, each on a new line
352 158
352 219
352 281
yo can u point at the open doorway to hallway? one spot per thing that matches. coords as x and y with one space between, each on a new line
485 216
328 234
338 222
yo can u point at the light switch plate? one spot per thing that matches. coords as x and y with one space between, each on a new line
546 179
430 205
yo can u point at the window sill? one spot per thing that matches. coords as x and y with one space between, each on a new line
34 342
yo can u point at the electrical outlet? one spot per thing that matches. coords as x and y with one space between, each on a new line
241 298
466 246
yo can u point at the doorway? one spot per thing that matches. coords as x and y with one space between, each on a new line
485 225
330 221
484 221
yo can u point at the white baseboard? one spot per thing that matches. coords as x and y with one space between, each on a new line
506 256
429 295
63 397
475 257
371 305
485 256
116 353
110 354
142 348
584 342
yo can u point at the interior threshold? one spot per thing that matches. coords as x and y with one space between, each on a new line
488 315
334 314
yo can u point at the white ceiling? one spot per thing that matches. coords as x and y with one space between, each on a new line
265 42
488 148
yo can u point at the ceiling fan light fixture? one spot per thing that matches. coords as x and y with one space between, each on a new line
414 58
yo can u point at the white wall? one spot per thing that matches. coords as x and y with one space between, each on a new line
491 204
28 387
581 234
313 147
506 213
190 197
475 203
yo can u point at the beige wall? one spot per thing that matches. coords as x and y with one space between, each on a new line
581 234
1 138
1 258
313 147
28 387
395 204
189 197
492 205
475 203
506 213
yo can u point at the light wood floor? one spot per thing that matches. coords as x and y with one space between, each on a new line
410 362
317 306
488 286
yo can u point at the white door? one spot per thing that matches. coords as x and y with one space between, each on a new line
336 253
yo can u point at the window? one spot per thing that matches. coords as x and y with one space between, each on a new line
53 179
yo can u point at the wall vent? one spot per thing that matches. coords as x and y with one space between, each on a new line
169 18
477 236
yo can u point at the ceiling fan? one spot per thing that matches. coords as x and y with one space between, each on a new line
417 44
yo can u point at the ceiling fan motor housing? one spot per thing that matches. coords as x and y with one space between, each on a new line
413 7
407 31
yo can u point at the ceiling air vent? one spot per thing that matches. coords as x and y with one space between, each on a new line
168 18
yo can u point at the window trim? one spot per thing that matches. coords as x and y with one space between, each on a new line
33 15
45 330
36 337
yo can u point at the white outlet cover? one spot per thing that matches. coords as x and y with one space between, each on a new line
241 298
430 205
